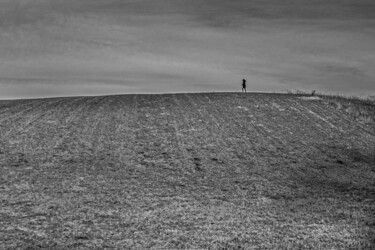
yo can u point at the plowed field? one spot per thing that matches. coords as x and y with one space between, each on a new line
197 171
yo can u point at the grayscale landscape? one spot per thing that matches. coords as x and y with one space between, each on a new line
187 171
124 124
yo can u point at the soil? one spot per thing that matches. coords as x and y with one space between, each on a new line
196 171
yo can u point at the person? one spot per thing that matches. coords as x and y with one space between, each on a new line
243 85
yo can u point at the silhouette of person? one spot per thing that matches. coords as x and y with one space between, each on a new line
243 85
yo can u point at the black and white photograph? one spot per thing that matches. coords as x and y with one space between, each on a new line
187 124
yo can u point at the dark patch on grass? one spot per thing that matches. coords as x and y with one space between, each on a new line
357 156
34 247
197 163
198 168
339 161
81 237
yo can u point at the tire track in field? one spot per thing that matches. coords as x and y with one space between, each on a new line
309 110
354 128
16 134
175 145
38 116
312 130
240 138
6 106
344 136
12 122
306 133
244 118
221 131
26 105
15 106
178 117
74 145
280 147
94 116
240 149
107 126
200 112
339 116
259 115
37 131
202 132
270 148
125 131
140 135
257 150
284 122
74 109
292 130
301 123
328 113
333 115
65 113
349 126
154 147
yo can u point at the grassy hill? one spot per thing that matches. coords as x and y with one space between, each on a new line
208 170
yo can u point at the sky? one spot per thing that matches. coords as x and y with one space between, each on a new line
98 47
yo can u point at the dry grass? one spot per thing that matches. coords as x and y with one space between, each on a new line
186 171
360 108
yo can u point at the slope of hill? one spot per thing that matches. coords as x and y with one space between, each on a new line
218 170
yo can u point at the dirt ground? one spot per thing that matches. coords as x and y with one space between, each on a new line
193 171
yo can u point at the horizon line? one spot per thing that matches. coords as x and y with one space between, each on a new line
285 92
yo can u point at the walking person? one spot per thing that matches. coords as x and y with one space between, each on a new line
243 85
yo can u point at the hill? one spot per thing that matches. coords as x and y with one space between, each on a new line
208 170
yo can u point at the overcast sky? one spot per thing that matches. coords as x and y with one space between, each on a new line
90 47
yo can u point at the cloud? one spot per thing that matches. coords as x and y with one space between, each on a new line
179 45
